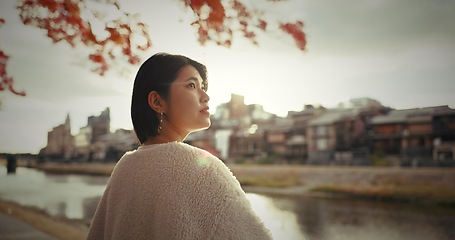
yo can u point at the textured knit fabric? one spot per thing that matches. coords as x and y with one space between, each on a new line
174 191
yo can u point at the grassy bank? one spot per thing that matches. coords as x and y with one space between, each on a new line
417 194
434 186
101 169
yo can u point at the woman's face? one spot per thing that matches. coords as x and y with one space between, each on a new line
187 106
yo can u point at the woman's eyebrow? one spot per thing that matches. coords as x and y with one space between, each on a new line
195 79
192 78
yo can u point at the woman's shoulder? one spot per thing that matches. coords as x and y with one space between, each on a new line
197 158
167 147
181 149
168 152
196 155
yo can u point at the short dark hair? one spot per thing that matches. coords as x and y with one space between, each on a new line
156 74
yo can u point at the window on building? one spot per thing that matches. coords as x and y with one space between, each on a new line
321 144
321 130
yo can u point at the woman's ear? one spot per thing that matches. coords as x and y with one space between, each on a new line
156 102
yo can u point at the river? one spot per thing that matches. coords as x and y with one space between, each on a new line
288 218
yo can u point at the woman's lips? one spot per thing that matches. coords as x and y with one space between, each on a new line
205 111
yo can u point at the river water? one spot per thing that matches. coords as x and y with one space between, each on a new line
288 218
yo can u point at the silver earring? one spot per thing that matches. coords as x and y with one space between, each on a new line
159 125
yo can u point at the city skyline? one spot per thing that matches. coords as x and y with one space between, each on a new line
400 54
75 129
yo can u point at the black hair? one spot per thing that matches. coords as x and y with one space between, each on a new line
157 74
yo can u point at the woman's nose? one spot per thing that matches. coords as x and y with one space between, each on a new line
205 97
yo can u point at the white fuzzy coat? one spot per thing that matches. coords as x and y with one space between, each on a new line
174 191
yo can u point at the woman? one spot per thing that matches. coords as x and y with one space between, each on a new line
167 189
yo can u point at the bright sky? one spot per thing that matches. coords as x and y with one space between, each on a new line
399 53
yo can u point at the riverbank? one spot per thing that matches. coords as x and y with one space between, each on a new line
415 185
432 186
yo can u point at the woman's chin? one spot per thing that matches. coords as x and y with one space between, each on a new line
203 126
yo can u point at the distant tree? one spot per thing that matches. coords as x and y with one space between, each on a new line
70 21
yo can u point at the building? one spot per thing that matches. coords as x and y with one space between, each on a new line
90 141
413 137
100 125
112 146
237 113
206 140
83 143
277 136
322 135
88 144
229 122
298 142
443 124
247 143
340 135
60 144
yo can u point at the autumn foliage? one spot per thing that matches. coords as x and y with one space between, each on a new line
6 82
125 36
218 23
64 21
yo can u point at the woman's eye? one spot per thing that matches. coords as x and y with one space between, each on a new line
191 85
